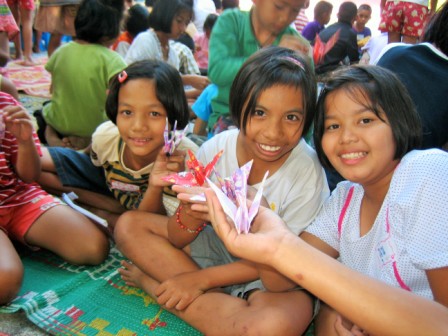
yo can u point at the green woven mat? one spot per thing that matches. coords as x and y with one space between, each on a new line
77 300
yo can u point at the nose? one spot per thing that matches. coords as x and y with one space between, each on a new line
274 130
139 123
348 135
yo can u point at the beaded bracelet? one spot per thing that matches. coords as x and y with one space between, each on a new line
183 227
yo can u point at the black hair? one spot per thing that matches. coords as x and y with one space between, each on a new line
230 4
365 7
321 8
164 12
210 21
98 21
436 32
169 89
347 12
137 20
267 68
384 94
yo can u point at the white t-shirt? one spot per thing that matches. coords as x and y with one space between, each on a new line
201 9
410 233
296 191
146 45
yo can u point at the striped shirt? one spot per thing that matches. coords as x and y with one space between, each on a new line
301 20
13 191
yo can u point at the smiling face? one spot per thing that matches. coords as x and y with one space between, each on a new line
358 144
274 129
141 120
276 15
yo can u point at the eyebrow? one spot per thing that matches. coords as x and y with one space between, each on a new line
298 110
361 110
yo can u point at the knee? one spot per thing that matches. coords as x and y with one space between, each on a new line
10 283
125 229
94 251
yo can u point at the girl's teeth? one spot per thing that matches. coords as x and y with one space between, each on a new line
353 155
270 148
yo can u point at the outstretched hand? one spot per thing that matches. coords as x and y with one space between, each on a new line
260 244
18 122
165 165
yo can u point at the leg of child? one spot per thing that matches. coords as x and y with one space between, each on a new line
330 323
55 42
70 235
212 313
26 15
11 270
4 48
14 7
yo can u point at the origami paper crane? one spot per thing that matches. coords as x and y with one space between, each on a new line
172 139
232 196
197 172
321 48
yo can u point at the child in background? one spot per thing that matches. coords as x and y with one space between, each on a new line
80 73
28 214
201 43
239 34
404 21
8 30
272 101
359 27
322 15
126 151
168 20
23 10
136 22
389 220
302 20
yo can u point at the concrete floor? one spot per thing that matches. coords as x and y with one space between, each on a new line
18 325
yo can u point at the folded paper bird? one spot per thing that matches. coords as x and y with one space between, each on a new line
322 48
172 138
196 174
232 195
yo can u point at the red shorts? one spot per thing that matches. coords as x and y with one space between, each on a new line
17 220
403 17
25 4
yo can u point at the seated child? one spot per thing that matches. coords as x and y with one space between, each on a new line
80 73
322 15
127 159
136 22
188 270
363 33
28 214
201 43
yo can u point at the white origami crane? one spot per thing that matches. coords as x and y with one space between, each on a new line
232 196
172 139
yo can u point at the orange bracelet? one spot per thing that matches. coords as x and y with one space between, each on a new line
183 227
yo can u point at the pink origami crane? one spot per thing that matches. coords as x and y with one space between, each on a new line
232 196
321 48
197 172
172 139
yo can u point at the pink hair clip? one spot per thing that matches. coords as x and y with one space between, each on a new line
295 61
122 76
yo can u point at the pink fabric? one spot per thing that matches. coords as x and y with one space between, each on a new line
201 54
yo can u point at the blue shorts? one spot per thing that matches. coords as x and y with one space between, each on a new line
75 169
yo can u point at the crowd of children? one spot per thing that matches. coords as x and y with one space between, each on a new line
113 130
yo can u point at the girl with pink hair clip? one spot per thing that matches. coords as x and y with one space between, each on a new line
128 155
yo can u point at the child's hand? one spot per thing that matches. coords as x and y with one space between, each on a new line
294 43
180 291
166 165
341 330
199 82
195 208
18 122
262 242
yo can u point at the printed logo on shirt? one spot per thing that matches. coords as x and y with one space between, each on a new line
386 251
124 186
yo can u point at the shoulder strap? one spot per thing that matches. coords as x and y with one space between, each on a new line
344 210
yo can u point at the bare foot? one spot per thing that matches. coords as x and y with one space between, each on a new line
28 61
135 277
52 138
76 142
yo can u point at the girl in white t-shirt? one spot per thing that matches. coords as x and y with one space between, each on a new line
272 101
388 224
